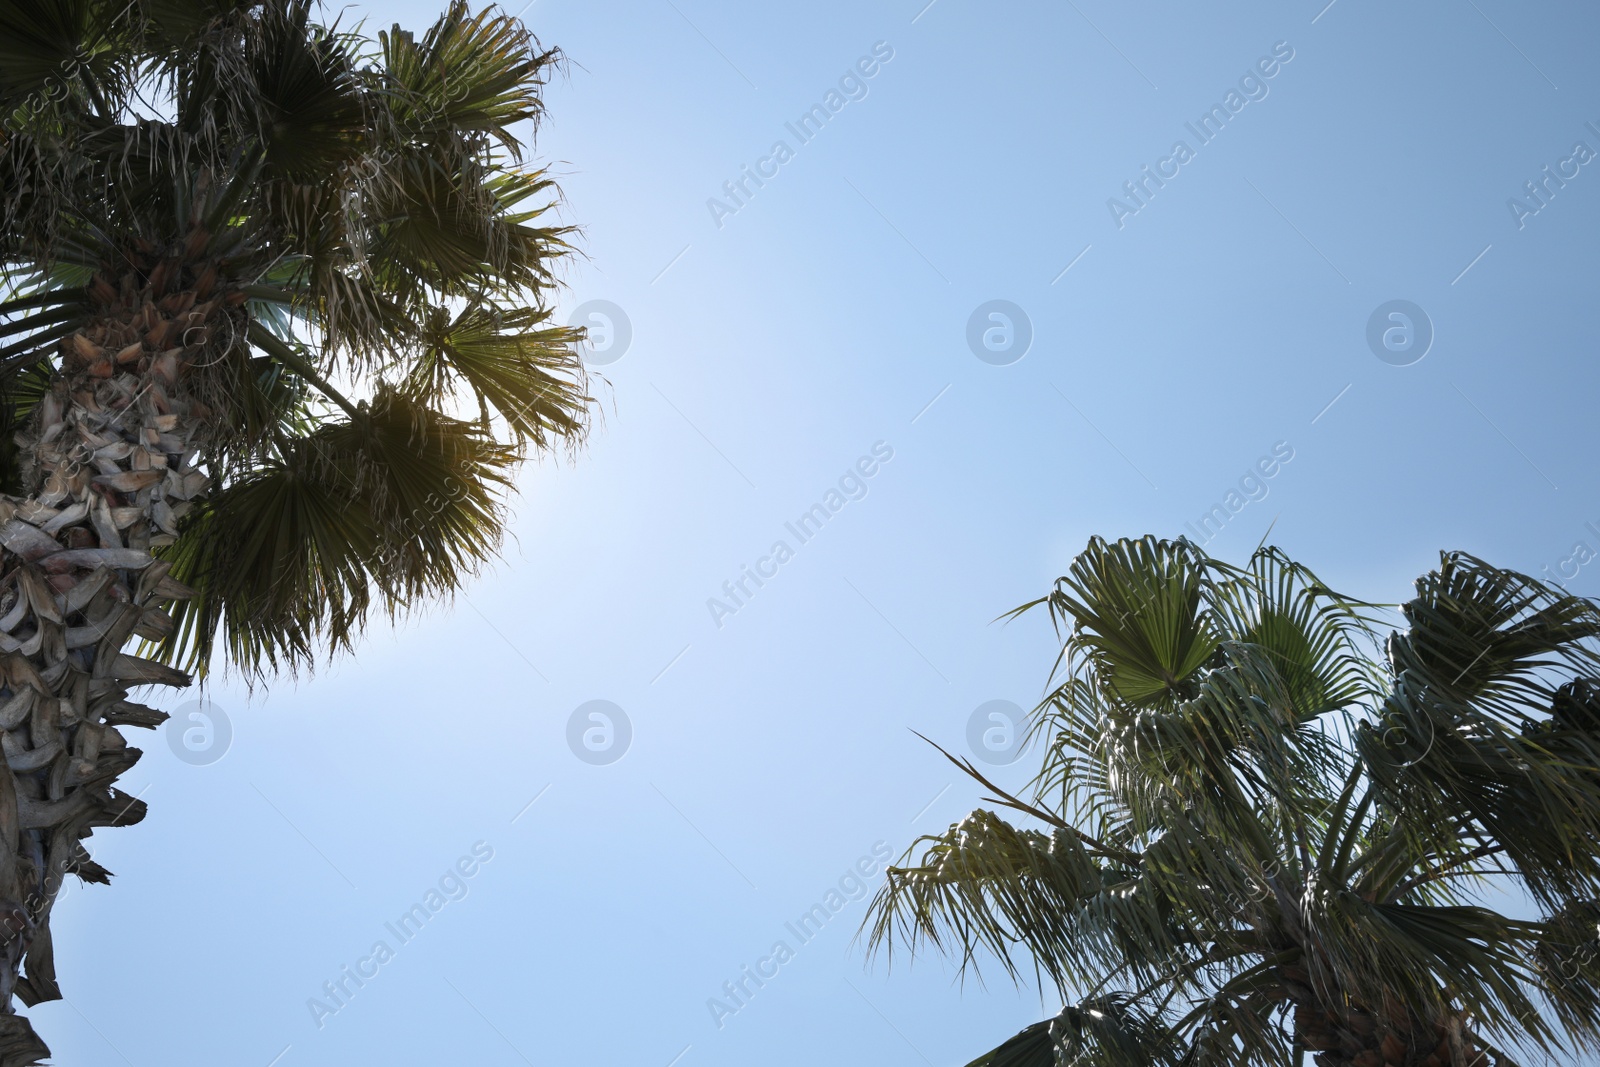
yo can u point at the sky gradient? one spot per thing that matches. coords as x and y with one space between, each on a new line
1193 320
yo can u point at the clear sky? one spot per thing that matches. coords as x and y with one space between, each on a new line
783 344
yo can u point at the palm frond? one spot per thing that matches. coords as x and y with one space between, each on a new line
1134 609
514 364
985 888
1462 741
384 511
468 75
1567 956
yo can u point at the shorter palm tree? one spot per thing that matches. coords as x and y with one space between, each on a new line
1267 829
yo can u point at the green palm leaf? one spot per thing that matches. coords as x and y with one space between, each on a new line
401 504
515 364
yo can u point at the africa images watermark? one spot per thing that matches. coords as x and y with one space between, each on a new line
1252 87
851 886
852 85
1252 487
1581 555
351 979
1541 190
852 485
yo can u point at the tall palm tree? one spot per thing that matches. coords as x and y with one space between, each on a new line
1265 829
275 332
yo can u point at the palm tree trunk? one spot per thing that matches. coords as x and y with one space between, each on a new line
1350 1036
111 458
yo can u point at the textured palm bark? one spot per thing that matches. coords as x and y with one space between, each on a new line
1350 1036
111 457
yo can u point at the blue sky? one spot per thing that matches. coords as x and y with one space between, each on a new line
776 346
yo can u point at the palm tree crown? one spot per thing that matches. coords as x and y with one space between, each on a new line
350 214
1265 829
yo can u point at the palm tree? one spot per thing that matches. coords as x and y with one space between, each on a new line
275 332
1259 834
